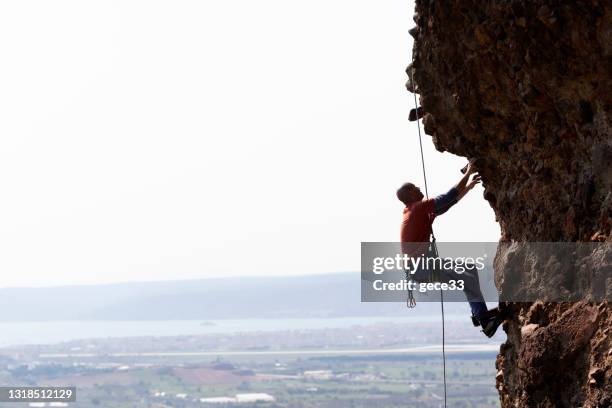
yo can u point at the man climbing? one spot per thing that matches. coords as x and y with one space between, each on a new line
416 229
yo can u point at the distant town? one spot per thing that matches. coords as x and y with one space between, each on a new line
373 365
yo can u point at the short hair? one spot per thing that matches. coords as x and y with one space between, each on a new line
402 192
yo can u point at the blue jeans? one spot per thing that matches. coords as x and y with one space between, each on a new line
471 287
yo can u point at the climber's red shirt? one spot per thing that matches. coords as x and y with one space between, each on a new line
417 221
418 218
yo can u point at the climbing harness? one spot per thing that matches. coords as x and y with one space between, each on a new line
411 302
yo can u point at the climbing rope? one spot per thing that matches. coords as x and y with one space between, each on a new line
416 109
433 237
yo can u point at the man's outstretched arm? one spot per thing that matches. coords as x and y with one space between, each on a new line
468 181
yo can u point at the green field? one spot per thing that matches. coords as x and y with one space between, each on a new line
338 382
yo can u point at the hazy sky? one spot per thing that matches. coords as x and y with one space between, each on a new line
146 140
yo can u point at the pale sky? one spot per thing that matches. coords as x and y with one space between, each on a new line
154 140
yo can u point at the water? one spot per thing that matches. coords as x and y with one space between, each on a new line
23 333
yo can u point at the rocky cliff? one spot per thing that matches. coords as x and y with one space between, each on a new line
525 87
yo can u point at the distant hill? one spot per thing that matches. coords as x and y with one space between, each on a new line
333 295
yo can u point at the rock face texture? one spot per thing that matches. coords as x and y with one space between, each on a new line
525 87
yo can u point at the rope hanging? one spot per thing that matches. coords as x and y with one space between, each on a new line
432 234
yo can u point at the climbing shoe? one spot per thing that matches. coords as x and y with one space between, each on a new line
490 325
490 313
490 322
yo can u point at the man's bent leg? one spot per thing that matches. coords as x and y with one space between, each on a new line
473 293
471 288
